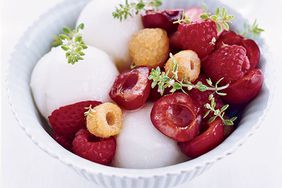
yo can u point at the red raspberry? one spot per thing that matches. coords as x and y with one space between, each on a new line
196 36
228 62
63 141
67 120
231 38
95 149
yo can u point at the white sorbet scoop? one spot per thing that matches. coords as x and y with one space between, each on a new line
55 83
105 32
141 145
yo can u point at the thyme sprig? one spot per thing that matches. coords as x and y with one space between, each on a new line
211 107
221 18
88 111
123 11
252 30
183 19
163 81
71 41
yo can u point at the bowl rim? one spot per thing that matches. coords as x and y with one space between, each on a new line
77 162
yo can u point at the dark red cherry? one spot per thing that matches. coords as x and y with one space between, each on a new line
131 89
162 19
176 116
245 89
206 141
230 38
253 52
201 98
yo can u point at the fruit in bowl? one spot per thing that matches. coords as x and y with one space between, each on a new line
94 109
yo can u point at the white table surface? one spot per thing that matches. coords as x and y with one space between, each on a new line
257 164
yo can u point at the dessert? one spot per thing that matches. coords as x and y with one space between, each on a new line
55 83
107 33
141 145
184 80
149 47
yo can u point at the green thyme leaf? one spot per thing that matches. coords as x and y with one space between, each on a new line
184 19
72 42
123 11
221 18
218 113
163 81
252 30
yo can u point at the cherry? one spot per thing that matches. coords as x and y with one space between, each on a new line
230 38
245 89
253 52
176 116
131 89
206 141
162 19
202 98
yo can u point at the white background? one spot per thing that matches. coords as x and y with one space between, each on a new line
257 164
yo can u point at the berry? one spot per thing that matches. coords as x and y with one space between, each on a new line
188 63
176 116
196 36
206 141
105 120
99 150
67 120
131 89
228 62
149 47
245 89
162 19
231 38
63 141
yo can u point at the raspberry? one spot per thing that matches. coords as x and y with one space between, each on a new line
231 38
95 149
188 63
67 120
63 141
149 47
196 36
105 120
228 62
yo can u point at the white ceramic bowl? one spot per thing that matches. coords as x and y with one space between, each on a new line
36 42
